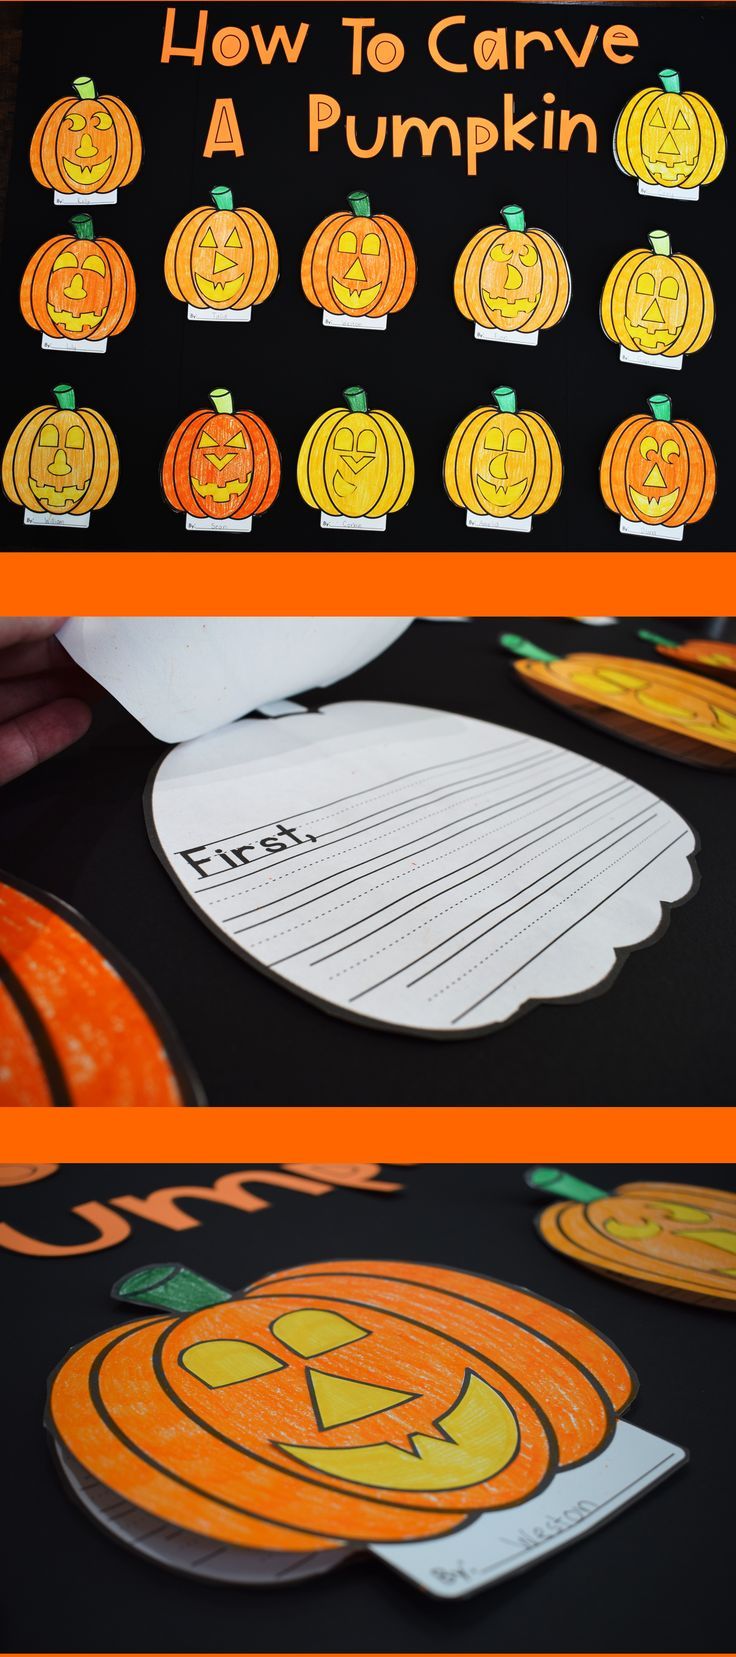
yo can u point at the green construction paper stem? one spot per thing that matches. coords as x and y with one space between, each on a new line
505 399
222 400
670 80
559 1184
659 242
222 198
661 407
83 227
514 218
172 1288
356 399
524 647
360 204
84 87
65 396
655 638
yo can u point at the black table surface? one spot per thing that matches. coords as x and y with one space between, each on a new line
658 1578
659 1035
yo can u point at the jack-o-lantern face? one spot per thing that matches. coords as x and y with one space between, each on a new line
511 278
61 459
502 463
61 462
223 464
668 137
355 461
658 471
86 145
79 287
358 264
657 302
222 258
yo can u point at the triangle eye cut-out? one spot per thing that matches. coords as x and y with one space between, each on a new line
681 121
208 239
656 120
233 240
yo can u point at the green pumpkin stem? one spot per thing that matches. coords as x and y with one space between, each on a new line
655 638
661 407
170 1287
514 218
670 80
562 1185
505 399
524 647
222 198
83 227
360 204
84 87
356 399
659 242
222 401
65 396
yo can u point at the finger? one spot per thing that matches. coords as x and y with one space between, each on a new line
39 734
19 629
21 695
36 656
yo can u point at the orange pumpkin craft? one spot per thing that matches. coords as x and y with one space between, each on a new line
671 1239
79 289
671 141
61 463
77 1026
657 473
222 260
325 1408
359 266
511 281
86 147
714 658
221 468
676 714
657 304
503 466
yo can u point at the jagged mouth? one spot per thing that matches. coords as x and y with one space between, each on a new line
219 293
56 499
222 491
651 508
355 299
72 322
670 169
651 337
501 496
85 177
509 307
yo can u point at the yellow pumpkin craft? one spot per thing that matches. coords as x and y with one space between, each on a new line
222 258
657 304
503 466
78 288
511 281
61 462
658 473
86 146
713 658
359 266
671 141
355 465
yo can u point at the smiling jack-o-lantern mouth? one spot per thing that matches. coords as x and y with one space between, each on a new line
223 491
56 499
670 170
74 323
355 298
501 494
651 337
219 293
509 307
651 507
86 175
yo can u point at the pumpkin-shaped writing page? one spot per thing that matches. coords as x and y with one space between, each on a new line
413 868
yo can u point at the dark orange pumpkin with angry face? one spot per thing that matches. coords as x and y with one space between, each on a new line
223 464
658 470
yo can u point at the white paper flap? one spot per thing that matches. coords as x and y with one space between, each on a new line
92 347
651 532
201 313
377 323
56 520
645 359
576 1502
220 526
510 336
674 193
477 520
98 198
328 522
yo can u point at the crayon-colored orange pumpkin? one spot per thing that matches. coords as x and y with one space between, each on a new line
502 463
658 302
222 258
714 658
62 459
87 144
359 263
668 137
223 464
284 1417
669 1238
78 287
512 278
656 470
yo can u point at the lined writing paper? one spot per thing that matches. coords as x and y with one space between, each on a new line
415 868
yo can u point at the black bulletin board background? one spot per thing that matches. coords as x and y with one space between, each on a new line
658 1578
426 369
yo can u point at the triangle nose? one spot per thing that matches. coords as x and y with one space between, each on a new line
337 1401
222 263
655 479
668 145
356 272
653 314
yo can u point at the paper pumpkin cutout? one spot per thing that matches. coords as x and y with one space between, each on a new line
221 466
355 464
657 472
671 141
222 258
359 264
512 281
657 304
416 870
676 714
79 287
77 1025
709 658
671 1239
275 1424
504 467
61 462
86 145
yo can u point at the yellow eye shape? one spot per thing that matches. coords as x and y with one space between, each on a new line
517 441
645 282
102 121
648 446
670 449
236 442
344 438
49 438
312 1332
681 121
529 255
371 243
74 438
76 122
493 439
65 261
233 240
498 252
366 443
94 262
656 120
207 442
224 1363
208 239
347 243
670 288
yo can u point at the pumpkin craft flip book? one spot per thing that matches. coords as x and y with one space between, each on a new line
359 267
86 147
78 290
512 281
712 658
503 466
60 463
657 473
355 465
671 141
427 1416
657 305
221 468
221 260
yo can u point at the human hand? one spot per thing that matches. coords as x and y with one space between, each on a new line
44 697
